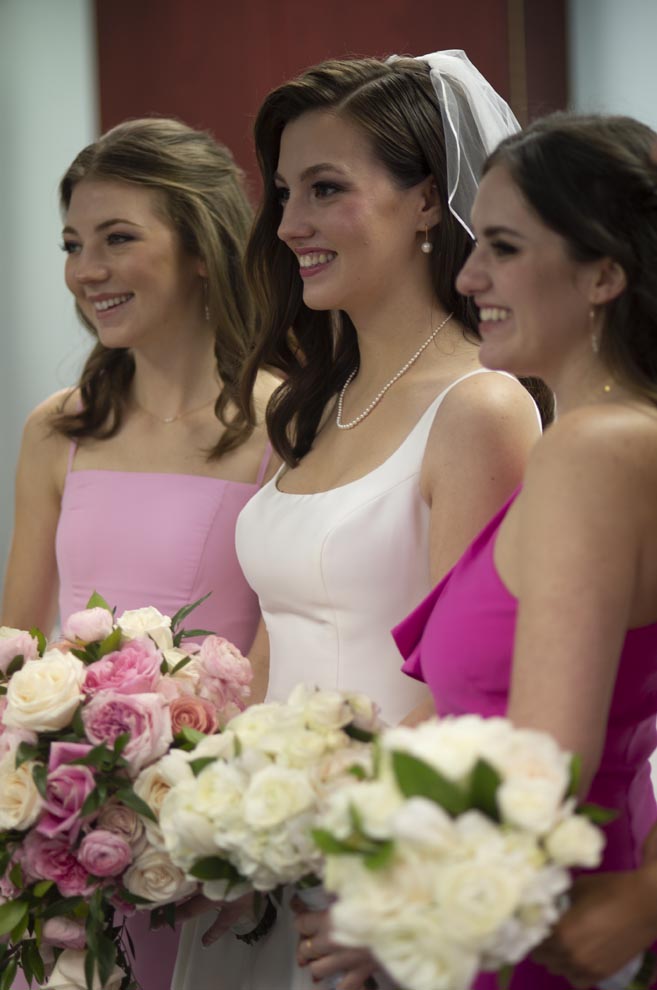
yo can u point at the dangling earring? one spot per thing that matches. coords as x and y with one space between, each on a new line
595 336
206 303
426 246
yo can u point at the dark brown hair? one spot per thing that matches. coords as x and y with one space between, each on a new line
593 181
395 107
202 194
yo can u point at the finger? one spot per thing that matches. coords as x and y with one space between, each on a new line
194 907
342 961
310 923
219 927
359 979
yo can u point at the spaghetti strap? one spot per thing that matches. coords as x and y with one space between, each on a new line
264 464
72 450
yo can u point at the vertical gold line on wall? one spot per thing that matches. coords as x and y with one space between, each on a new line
517 59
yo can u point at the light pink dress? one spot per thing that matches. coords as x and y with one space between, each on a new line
163 540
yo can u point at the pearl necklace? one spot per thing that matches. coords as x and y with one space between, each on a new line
377 398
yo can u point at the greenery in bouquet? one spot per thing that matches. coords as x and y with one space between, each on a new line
456 856
84 725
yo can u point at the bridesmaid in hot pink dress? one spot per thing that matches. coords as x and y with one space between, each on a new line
551 615
131 484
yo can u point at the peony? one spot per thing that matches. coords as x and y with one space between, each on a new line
194 713
52 859
144 717
68 974
45 693
88 626
104 853
134 669
65 933
138 622
15 643
153 875
118 818
276 794
20 802
575 842
67 788
225 674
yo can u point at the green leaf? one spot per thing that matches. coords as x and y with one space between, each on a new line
35 961
361 735
8 975
195 633
42 887
416 778
16 875
181 663
484 784
97 601
214 868
110 644
15 664
201 763
40 638
64 905
106 957
26 752
504 975
89 967
120 743
575 775
358 772
77 724
381 856
91 803
130 898
329 845
11 915
189 735
165 914
596 814
40 778
81 655
19 929
132 800
183 612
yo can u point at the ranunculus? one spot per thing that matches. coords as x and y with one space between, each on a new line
67 787
104 853
134 669
225 674
65 933
153 875
144 717
52 859
575 842
88 626
20 802
118 818
193 713
44 694
68 974
138 622
15 643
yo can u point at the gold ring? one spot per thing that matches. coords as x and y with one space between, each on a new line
308 946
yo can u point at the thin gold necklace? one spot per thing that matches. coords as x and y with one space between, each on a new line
377 398
172 419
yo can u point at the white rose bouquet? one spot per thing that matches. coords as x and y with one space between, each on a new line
455 857
84 726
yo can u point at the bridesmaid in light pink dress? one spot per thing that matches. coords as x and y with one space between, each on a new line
131 483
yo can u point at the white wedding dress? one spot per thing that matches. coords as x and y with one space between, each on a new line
334 572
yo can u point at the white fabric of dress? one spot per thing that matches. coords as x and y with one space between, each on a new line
334 572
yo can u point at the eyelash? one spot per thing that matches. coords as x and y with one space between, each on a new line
321 190
113 239
502 248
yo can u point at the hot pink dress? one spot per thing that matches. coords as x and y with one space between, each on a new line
163 540
460 642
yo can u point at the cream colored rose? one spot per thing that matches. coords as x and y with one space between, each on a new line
44 694
20 802
256 721
152 786
530 804
276 794
477 896
118 818
154 875
575 842
147 621
327 710
412 951
68 974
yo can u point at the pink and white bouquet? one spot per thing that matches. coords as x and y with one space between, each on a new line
241 815
455 856
84 722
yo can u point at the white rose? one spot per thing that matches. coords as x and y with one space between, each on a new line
452 746
147 621
20 801
575 842
365 712
295 746
256 721
425 823
155 876
88 625
327 710
532 804
376 803
220 745
477 896
68 974
414 953
152 787
532 756
45 693
275 795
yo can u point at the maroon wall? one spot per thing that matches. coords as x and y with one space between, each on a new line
211 62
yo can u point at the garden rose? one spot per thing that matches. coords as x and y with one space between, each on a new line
20 802
88 626
154 876
65 933
138 622
575 842
225 674
52 859
67 787
193 713
118 818
68 974
134 669
144 717
14 643
276 794
45 693
104 853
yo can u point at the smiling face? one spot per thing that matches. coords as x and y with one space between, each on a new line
353 230
126 267
534 300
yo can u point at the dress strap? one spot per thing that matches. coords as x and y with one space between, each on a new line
72 451
264 464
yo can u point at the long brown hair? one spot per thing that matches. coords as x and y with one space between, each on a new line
395 107
202 193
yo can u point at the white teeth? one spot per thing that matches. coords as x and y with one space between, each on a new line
315 258
491 314
110 303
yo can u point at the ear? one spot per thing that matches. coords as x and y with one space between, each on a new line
609 281
429 213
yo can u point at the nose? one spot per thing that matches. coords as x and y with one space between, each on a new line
87 267
473 277
295 224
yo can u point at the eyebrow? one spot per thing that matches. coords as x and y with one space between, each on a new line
104 225
312 171
497 230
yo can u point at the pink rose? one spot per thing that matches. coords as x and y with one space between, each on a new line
195 713
67 788
134 669
52 859
144 717
104 853
88 626
64 933
118 818
15 643
224 673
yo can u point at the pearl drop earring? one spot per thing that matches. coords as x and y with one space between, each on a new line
426 246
